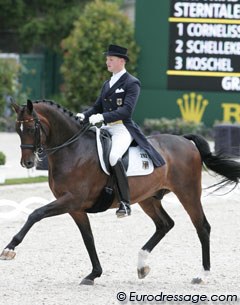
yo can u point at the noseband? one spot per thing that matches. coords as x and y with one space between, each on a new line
37 146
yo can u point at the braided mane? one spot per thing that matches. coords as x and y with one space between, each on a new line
65 111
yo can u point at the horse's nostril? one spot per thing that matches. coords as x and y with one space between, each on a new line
29 164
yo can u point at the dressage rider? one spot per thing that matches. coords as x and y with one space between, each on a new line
114 107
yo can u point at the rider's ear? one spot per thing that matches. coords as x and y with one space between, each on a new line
30 106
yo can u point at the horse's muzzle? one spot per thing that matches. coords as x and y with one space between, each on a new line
27 163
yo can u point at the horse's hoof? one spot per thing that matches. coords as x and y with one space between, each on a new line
87 282
143 272
7 254
197 280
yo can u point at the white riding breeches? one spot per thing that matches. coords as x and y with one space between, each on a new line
121 140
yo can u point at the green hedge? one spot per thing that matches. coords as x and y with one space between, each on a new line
2 158
10 86
175 126
84 67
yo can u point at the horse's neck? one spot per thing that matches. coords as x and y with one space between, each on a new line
60 126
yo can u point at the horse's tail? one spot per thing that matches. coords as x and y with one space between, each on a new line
220 164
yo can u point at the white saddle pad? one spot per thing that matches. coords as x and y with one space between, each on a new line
139 162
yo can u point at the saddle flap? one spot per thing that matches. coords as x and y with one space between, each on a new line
136 160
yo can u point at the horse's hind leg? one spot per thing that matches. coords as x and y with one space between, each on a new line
193 206
163 222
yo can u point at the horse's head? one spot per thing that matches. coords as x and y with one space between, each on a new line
28 127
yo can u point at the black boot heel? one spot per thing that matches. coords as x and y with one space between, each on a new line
124 210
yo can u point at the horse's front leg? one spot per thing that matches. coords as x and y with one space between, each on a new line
57 207
82 221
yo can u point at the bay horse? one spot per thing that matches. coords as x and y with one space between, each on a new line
76 179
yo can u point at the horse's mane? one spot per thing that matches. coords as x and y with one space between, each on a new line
60 108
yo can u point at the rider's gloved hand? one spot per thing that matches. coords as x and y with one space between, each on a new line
96 118
81 116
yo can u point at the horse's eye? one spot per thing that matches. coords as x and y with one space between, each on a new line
30 130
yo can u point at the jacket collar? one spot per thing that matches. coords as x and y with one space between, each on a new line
121 80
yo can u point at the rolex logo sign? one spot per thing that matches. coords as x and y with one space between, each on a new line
192 107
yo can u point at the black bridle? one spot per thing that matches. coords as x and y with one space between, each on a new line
37 147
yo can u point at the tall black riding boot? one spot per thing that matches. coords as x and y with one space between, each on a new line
123 189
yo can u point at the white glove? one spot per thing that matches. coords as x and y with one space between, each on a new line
81 116
96 118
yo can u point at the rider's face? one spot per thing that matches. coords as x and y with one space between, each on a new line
115 64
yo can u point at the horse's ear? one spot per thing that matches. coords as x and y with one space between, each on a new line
15 107
30 106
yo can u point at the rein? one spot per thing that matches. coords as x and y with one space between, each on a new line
73 139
